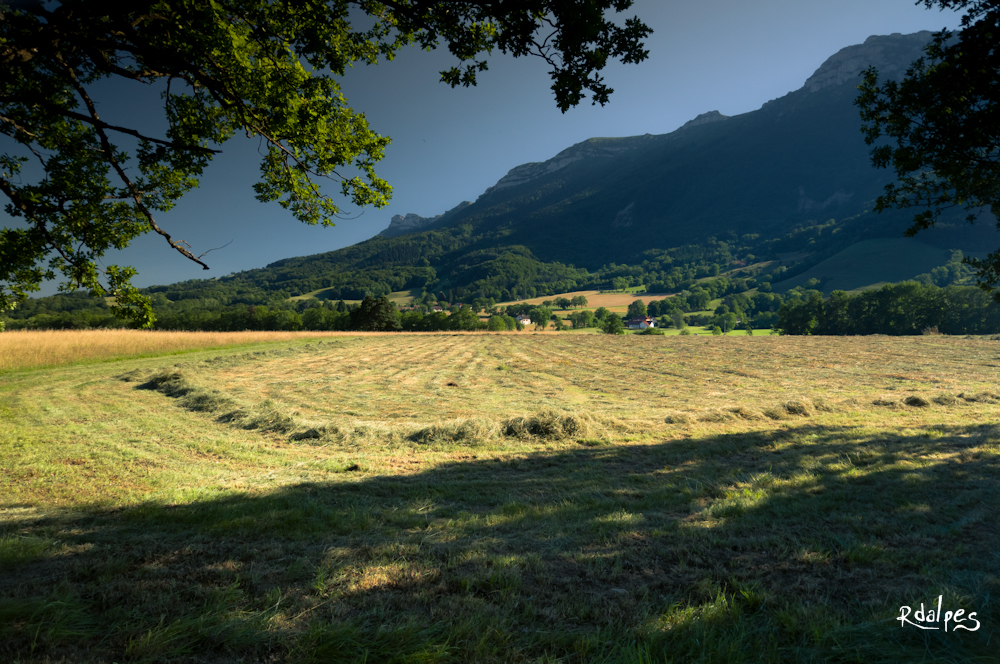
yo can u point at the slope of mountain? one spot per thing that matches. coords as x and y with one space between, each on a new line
871 262
793 176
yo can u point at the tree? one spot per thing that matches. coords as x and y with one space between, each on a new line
578 301
637 309
563 302
540 316
613 325
464 319
263 68
582 319
698 299
496 324
376 315
798 315
941 122
313 319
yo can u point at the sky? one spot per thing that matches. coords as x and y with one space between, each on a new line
449 145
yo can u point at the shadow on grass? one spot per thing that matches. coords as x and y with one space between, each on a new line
795 544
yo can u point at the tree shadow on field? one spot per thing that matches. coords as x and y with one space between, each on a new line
794 544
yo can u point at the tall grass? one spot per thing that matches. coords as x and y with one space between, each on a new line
26 349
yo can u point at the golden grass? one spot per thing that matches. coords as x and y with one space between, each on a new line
596 299
402 382
25 349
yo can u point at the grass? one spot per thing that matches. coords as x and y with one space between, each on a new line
869 263
503 498
25 349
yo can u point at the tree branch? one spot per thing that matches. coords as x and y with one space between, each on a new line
110 155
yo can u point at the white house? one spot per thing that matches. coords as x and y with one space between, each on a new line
523 320
640 323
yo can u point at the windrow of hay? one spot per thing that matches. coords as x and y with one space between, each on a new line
918 401
265 416
809 407
268 416
982 397
458 431
551 425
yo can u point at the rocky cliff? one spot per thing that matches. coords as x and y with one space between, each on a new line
890 54
400 225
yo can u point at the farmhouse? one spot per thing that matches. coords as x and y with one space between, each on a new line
523 320
640 323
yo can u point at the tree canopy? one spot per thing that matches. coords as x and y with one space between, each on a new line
637 309
263 68
376 315
942 122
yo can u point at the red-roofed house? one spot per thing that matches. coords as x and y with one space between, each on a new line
640 323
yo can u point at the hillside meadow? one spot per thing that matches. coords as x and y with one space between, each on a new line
501 498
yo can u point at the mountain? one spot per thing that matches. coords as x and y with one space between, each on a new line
790 183
400 225
798 158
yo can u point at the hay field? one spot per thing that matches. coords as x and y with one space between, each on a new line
639 380
504 498
613 301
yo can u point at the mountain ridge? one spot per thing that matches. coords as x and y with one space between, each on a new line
890 54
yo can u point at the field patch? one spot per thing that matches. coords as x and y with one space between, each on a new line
596 299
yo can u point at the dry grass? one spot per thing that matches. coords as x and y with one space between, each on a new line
596 299
25 349
634 381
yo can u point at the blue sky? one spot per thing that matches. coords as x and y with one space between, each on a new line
449 145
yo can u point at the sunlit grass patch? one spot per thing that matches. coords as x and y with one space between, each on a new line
24 349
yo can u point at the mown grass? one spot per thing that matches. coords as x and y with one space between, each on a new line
528 498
